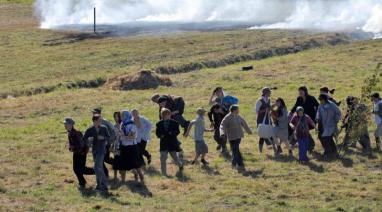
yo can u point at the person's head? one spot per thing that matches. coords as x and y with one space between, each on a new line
135 113
97 111
280 103
117 117
323 98
234 109
162 101
219 92
324 90
300 111
350 100
155 98
375 97
126 115
266 92
69 123
166 114
303 91
201 111
96 120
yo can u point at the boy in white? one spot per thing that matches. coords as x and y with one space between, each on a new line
201 148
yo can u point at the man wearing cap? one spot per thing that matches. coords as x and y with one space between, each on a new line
111 140
80 149
97 136
377 111
263 109
328 116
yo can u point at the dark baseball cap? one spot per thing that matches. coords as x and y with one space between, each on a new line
69 120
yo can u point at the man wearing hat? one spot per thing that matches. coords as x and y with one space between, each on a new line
80 149
263 109
113 136
328 116
201 148
98 135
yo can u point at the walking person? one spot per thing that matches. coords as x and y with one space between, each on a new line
301 125
167 131
232 127
80 150
281 121
110 142
306 101
216 116
130 156
201 148
217 96
263 109
377 111
117 159
97 136
328 116
144 133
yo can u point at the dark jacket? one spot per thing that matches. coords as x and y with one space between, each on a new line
76 143
100 138
216 118
167 131
310 106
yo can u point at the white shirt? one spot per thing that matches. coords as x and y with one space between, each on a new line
199 128
144 132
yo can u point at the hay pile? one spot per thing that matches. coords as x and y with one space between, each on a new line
138 81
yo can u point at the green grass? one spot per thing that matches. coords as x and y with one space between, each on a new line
36 164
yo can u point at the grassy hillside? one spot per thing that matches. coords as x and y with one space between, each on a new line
36 167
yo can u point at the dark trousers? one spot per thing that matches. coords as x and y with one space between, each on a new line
219 139
142 148
237 158
108 160
328 144
181 120
80 169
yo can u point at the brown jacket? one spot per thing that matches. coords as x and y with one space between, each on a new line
232 127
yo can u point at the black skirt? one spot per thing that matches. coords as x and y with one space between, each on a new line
128 159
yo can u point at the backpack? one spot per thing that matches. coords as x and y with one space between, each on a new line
230 100
179 104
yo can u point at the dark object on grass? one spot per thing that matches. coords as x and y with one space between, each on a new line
247 68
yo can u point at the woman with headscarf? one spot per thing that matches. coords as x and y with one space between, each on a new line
301 124
129 151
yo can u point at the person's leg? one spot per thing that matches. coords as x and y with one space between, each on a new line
273 143
176 159
181 120
377 134
196 157
123 175
140 174
106 171
78 166
98 168
217 139
261 144
108 159
87 170
233 152
163 162
239 160
143 146
323 141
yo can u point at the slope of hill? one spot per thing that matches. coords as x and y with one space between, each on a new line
36 172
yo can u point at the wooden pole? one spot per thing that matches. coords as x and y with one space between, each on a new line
95 23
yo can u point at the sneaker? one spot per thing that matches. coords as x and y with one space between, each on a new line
204 162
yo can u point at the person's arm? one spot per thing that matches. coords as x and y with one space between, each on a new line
258 106
176 131
338 114
223 127
292 122
111 131
245 126
210 117
310 122
315 103
189 129
158 130
296 104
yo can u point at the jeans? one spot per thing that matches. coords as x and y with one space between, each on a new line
237 158
80 169
98 158
163 160
303 146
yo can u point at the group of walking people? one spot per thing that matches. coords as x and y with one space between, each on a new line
128 137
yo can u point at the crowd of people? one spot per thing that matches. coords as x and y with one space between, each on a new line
127 139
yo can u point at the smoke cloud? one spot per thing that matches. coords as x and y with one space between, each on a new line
329 15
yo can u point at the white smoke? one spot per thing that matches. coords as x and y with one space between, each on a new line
292 14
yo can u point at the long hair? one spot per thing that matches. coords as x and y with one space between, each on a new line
305 89
282 106
119 117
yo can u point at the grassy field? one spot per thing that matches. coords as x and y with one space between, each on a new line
36 166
